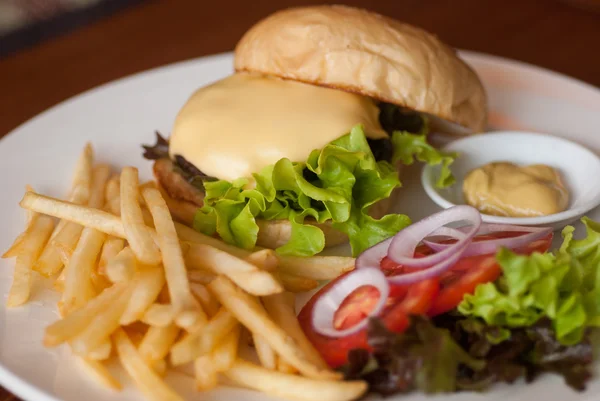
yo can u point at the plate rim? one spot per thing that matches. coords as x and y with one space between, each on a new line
19 386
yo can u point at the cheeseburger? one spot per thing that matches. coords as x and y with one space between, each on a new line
301 147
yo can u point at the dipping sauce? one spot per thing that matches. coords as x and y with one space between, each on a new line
507 189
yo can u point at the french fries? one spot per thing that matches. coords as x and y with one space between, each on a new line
225 354
31 247
204 339
67 328
136 231
281 309
49 262
251 314
293 386
101 326
112 246
243 273
147 290
78 276
145 378
206 375
147 285
266 355
209 303
100 373
187 308
157 342
159 315
122 267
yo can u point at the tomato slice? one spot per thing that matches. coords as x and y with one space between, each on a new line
468 272
402 302
431 297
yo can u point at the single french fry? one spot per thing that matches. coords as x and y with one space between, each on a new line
100 176
207 300
225 354
65 256
297 284
147 285
265 259
112 246
113 195
17 244
316 267
79 214
281 308
159 366
101 326
205 373
244 274
159 315
157 342
138 234
143 376
200 277
69 327
78 276
265 353
102 352
293 386
203 341
81 184
250 312
100 373
59 283
32 246
183 301
122 267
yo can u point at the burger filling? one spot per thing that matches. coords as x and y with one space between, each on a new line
253 147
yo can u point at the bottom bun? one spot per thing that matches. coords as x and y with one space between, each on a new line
272 233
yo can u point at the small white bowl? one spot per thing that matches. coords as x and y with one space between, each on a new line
579 167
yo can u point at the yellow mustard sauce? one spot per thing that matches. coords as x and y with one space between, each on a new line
507 189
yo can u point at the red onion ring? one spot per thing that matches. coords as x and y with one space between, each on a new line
492 245
329 302
403 245
373 256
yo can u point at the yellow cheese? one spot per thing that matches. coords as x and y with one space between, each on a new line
238 125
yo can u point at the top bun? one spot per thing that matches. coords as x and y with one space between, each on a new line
364 52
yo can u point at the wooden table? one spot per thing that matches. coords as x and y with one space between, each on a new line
549 33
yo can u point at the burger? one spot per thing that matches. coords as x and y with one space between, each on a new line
301 147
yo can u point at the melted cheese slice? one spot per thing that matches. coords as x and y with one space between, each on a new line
239 125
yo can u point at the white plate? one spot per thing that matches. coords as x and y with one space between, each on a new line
119 116
578 166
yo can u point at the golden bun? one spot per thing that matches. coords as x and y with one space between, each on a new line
364 52
271 234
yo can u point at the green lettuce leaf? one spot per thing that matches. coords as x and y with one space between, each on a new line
336 184
563 286
408 147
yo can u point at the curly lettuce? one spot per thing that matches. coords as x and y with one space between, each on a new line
336 184
563 286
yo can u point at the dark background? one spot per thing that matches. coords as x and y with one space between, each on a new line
64 52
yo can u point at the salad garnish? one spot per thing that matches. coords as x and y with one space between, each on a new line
444 309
